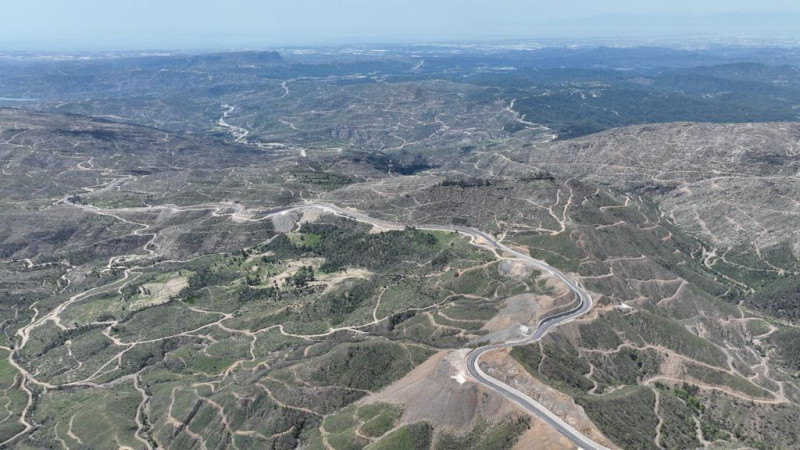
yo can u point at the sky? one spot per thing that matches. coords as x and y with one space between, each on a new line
201 24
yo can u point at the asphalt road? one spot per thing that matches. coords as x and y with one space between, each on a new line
544 325
473 358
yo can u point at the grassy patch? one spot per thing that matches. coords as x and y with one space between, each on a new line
626 366
658 330
379 419
341 421
529 356
559 251
110 410
557 363
161 321
787 344
309 240
720 378
484 436
12 397
678 429
364 365
599 334
416 436
757 327
564 368
347 440
472 309
197 361
626 416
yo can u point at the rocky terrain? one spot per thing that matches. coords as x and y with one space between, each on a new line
732 184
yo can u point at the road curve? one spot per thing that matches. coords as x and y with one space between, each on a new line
473 358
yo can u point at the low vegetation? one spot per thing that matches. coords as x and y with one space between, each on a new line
153 279
485 436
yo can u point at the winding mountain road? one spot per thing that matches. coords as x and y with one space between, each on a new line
544 325
583 298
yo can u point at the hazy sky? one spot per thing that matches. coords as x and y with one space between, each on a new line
164 24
